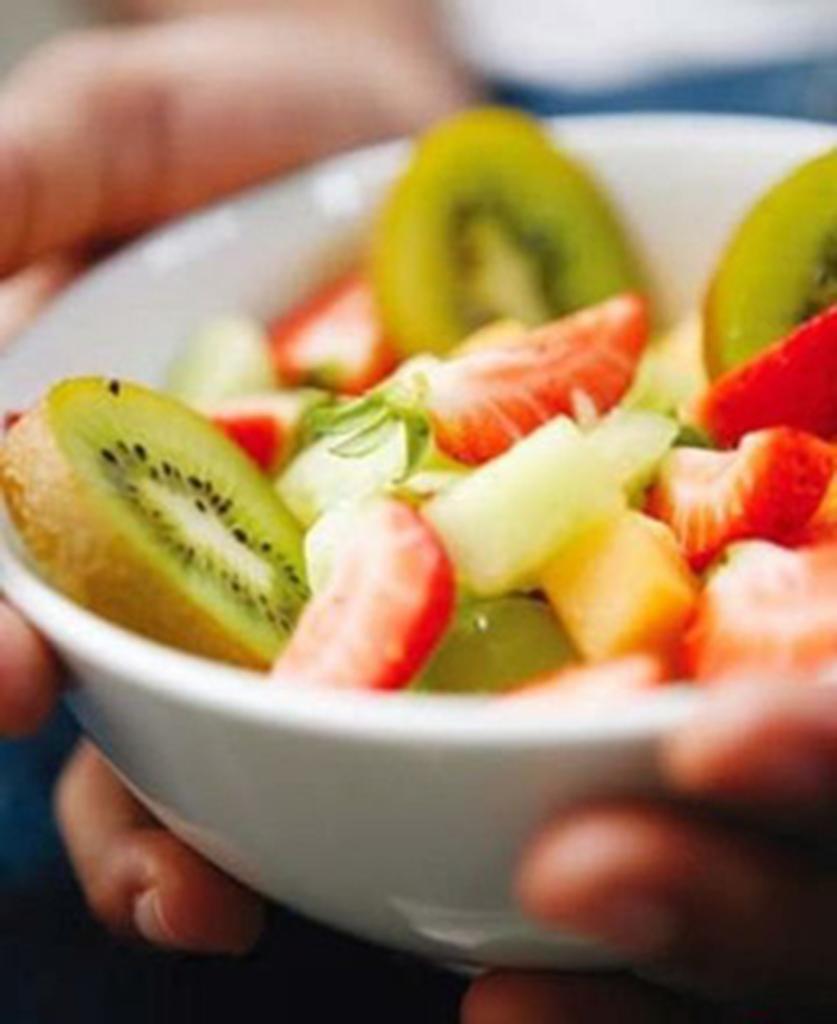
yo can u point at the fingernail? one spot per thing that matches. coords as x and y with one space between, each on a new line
150 922
637 925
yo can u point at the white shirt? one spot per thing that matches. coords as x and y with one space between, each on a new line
590 44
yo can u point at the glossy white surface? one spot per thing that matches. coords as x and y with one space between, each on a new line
399 819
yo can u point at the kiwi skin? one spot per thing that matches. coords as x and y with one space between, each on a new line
82 554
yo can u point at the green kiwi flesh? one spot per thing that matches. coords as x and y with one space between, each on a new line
145 513
779 270
492 221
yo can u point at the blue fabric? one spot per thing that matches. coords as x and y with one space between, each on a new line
801 89
58 967
55 963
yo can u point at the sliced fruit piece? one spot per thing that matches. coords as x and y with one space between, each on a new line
141 511
822 528
495 644
491 221
10 419
227 358
594 688
333 531
512 516
427 483
326 474
768 489
479 404
499 332
482 403
672 372
266 426
622 588
780 268
257 435
334 340
768 611
793 383
634 444
384 609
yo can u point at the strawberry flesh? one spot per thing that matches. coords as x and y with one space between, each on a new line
483 402
10 419
793 383
334 340
768 489
259 435
822 528
387 603
591 686
769 611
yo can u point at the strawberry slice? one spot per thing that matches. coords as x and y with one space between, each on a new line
334 340
768 610
265 425
388 600
10 419
793 383
483 402
592 686
769 488
260 436
822 528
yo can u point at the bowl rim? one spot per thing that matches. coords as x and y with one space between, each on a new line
400 719
413 718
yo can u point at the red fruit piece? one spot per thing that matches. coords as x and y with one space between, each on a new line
769 489
822 528
481 403
334 340
259 435
10 419
388 602
769 611
591 687
793 383
266 426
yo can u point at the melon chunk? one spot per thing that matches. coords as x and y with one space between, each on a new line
507 520
622 588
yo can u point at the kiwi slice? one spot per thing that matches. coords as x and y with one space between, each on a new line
143 512
489 222
780 268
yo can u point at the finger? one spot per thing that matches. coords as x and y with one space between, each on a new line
109 131
716 907
575 999
138 879
761 746
28 678
24 296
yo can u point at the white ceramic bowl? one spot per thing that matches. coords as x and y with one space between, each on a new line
399 819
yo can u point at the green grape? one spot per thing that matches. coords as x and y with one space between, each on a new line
494 645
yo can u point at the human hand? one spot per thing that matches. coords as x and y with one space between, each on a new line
102 135
736 906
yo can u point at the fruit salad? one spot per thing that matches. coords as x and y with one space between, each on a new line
475 463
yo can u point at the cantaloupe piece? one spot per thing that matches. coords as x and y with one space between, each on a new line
622 588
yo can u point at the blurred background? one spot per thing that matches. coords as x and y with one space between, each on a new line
760 56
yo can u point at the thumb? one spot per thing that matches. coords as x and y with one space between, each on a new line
104 133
